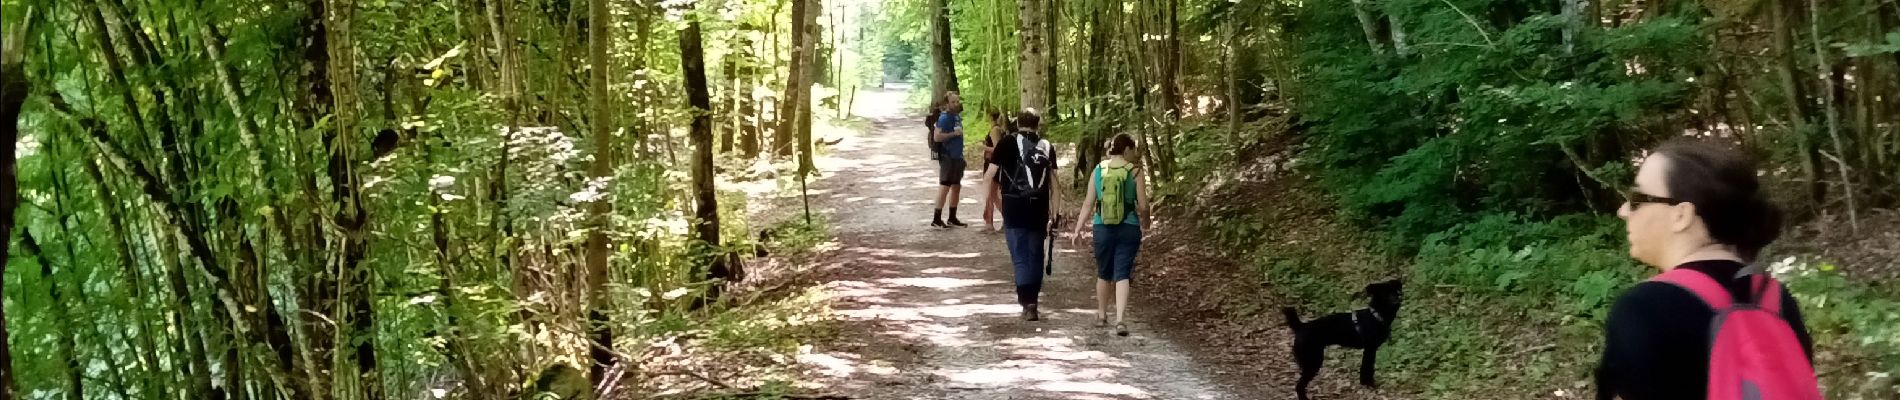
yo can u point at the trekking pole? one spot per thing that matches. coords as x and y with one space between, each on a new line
1049 264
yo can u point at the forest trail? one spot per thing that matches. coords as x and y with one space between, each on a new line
931 313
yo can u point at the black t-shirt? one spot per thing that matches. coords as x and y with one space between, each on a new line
1656 342
1017 213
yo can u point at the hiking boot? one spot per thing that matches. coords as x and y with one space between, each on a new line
1030 314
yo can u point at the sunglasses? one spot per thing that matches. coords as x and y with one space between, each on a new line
1637 198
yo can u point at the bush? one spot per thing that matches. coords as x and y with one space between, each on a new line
1477 123
1485 294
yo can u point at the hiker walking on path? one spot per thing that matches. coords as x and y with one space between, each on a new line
1000 129
1024 168
1711 326
950 164
1115 194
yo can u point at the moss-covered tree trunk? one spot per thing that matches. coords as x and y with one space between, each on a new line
705 195
600 125
807 56
1032 73
791 99
943 64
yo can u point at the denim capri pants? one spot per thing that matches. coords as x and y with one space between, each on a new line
1115 250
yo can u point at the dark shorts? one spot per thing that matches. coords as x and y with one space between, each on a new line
1115 250
950 170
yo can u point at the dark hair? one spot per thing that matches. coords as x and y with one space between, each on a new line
1120 144
1721 182
1028 120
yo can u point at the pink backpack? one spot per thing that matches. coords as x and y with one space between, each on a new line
1755 355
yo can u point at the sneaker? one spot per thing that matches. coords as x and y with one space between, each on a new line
954 222
1121 330
938 224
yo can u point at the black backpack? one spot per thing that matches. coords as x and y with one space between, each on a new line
1029 180
930 135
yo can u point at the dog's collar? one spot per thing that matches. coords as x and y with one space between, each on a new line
1375 314
1357 327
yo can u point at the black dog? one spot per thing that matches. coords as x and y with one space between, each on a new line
1366 328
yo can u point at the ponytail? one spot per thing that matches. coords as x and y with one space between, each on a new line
1722 184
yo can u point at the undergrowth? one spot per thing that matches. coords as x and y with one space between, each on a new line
748 341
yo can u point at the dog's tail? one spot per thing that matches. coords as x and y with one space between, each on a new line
1292 318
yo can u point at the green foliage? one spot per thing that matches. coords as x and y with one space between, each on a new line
1503 256
1890 46
983 36
1852 324
476 205
1479 122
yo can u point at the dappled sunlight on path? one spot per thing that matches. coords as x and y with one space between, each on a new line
931 314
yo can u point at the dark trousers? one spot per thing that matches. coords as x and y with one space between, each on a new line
1026 254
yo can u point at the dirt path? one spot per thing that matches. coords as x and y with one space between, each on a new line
931 313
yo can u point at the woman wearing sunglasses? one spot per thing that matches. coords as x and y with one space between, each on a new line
1710 325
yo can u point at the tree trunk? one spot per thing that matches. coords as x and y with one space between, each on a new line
1400 42
600 123
808 56
73 374
358 283
943 66
729 102
1781 16
1101 28
317 293
790 99
1830 103
706 200
13 91
144 330
1576 16
1232 64
63 306
183 297
748 111
501 27
1032 67
258 160
1052 47
1170 81
1368 23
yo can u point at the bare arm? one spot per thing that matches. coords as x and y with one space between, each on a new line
1141 202
989 179
1088 204
1055 195
942 136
